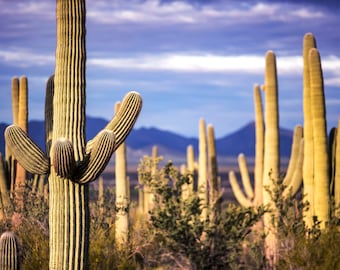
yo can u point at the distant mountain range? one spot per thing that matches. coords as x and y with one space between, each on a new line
170 145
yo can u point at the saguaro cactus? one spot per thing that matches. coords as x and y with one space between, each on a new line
70 163
253 196
202 169
122 195
9 252
316 163
271 169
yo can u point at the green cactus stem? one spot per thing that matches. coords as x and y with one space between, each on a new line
252 197
271 163
202 169
337 170
308 163
9 252
122 196
321 160
215 191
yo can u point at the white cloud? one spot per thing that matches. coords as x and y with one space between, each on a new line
152 11
24 58
44 9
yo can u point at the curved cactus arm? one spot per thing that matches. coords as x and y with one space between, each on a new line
62 158
239 195
102 149
294 155
29 155
124 120
242 163
296 179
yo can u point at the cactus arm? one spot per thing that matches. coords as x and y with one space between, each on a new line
29 155
294 155
49 113
321 165
62 158
242 163
239 195
96 161
124 120
296 179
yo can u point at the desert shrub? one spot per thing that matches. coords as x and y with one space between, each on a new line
181 239
301 247
30 224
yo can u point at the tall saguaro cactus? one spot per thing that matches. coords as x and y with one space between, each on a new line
271 165
71 163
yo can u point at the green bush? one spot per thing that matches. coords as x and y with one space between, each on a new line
181 239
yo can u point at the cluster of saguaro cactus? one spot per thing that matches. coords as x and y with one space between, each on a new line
69 161
9 252
313 155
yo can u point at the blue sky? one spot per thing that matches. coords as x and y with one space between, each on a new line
188 59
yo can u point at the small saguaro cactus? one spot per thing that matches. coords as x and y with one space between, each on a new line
253 196
122 195
70 162
9 252
202 169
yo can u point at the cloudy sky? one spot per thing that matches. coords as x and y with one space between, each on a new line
188 59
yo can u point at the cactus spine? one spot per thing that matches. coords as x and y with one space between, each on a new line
68 182
9 252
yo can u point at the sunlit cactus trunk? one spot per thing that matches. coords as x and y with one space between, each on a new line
68 200
308 163
122 195
271 168
215 192
321 159
202 169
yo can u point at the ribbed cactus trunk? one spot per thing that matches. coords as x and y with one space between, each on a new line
308 163
9 252
259 146
271 152
22 115
69 232
321 159
202 169
122 195
214 185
